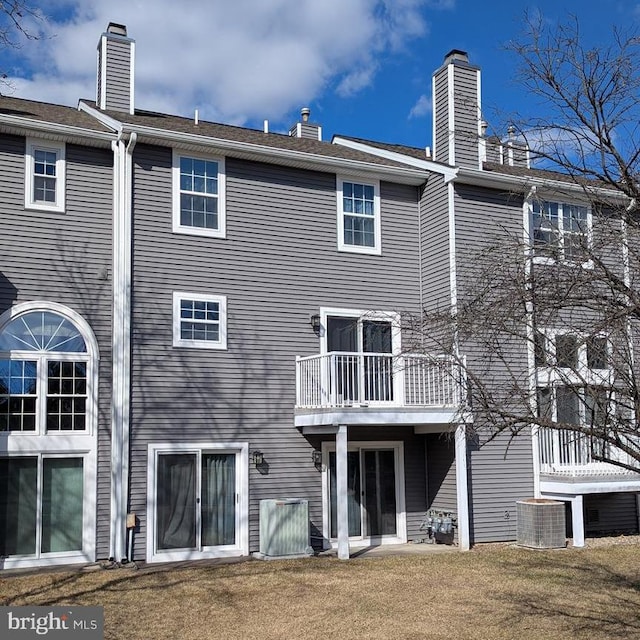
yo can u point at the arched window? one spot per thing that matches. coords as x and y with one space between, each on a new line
45 368
48 387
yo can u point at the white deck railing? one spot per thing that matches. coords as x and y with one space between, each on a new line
569 453
341 379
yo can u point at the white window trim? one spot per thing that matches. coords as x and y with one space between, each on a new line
221 231
241 548
350 248
178 341
528 220
401 515
59 149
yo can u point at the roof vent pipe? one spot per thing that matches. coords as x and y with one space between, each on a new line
305 112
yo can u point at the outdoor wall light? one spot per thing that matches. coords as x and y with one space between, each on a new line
315 322
257 457
316 456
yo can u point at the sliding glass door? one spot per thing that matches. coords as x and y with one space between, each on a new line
373 492
41 505
362 369
196 500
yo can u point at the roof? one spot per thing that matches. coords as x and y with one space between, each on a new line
414 152
14 109
217 131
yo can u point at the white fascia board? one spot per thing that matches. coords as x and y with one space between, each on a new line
448 172
524 183
27 126
562 487
408 175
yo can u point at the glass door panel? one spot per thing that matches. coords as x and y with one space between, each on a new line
380 492
371 493
378 379
176 501
18 506
342 336
218 499
62 504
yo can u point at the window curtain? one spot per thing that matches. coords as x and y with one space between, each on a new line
176 528
218 499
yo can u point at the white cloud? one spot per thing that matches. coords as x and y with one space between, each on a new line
234 60
421 108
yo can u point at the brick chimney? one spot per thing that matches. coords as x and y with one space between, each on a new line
457 120
304 128
115 86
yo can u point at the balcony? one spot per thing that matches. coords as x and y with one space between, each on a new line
377 388
569 453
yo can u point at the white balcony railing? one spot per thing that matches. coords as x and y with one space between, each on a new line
569 453
341 379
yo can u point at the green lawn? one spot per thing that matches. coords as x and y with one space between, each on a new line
492 593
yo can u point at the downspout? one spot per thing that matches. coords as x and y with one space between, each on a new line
120 407
461 453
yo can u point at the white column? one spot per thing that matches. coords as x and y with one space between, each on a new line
462 488
577 521
342 505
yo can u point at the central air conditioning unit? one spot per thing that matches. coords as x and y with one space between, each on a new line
541 523
284 528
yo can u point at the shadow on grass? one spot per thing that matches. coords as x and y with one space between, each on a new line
80 587
575 591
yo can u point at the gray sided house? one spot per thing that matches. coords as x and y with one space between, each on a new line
201 323
56 307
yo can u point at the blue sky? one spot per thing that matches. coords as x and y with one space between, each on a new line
363 66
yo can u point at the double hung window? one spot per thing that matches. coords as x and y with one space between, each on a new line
198 195
359 216
44 175
560 231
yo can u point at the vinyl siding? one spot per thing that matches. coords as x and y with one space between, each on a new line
616 513
441 472
277 266
500 471
465 83
61 257
118 74
441 115
434 243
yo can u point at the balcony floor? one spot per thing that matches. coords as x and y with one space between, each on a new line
376 416
562 483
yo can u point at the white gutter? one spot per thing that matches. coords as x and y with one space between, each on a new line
28 124
120 408
524 183
269 153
